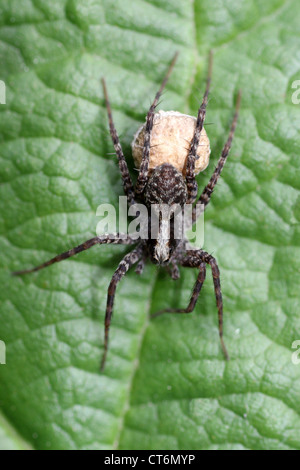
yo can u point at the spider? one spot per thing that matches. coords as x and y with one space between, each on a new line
164 185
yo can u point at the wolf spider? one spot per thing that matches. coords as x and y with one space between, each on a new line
166 185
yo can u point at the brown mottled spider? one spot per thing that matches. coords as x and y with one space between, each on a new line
165 185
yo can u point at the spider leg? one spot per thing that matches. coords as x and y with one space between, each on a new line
192 186
199 259
143 173
194 297
207 192
103 239
217 285
129 260
126 178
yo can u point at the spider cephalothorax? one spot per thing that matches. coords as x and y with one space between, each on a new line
166 185
168 182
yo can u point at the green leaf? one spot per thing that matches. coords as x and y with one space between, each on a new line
9 439
166 385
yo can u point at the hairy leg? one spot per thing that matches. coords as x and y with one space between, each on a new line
194 297
207 192
126 178
143 173
126 263
199 259
217 285
192 186
104 239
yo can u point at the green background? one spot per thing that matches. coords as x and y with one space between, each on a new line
166 385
